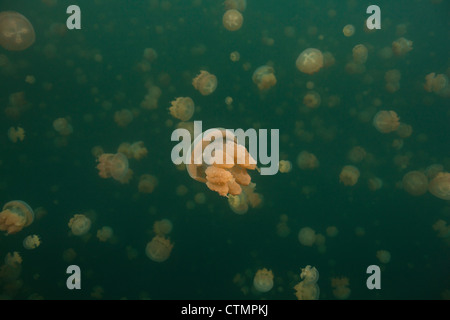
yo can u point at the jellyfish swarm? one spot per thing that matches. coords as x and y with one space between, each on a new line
310 61
225 169
16 32
113 165
15 216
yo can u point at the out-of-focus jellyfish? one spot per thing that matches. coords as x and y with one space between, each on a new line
13 259
432 170
79 224
105 233
392 78
341 290
435 83
309 274
415 183
308 288
16 32
310 61
205 82
182 108
263 280
384 256
123 117
113 165
441 227
349 175
62 126
236 4
150 101
69 255
332 231
312 99
16 134
15 216
404 130
31 242
162 227
159 249
235 56
238 203
282 228
440 186
307 161
348 30
264 77
150 54
402 46
357 154
307 236
138 150
360 54
375 183
285 166
147 183
232 20
386 121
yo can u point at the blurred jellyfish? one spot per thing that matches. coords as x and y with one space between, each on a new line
105 233
159 249
375 183
182 108
16 134
205 82
235 56
263 280
404 130
440 186
360 54
62 126
15 216
123 117
386 121
312 99
80 224
307 236
332 231
435 83
341 290
31 242
348 30
441 227
415 183
232 20
309 274
16 32
309 61
308 288
238 203
349 175
113 165
357 154
162 227
264 77
402 46
384 256
285 166
138 150
147 183
307 161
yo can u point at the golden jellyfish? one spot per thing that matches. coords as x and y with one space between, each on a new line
310 61
312 99
235 56
440 186
31 242
16 134
404 130
386 121
232 20
13 259
360 54
159 249
182 108
15 216
264 77
307 291
105 233
205 82
147 183
415 183
349 175
138 150
285 166
402 46
309 274
341 290
348 30
238 203
113 165
162 227
79 224
357 154
384 256
307 161
307 236
375 184
263 280
16 32
123 117
62 126
435 83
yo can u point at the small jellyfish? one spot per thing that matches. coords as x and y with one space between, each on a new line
263 280
123 117
348 30
205 82
79 224
235 56
360 54
440 186
332 231
309 274
386 121
384 256
285 166
307 236
375 183
357 154
404 130
238 203
312 99
310 61
182 108
147 183
415 183
349 175
62 126
31 242
402 46
16 32
341 290
16 134
159 249
232 20
138 150
307 291
162 227
307 161
435 83
113 165
264 77
105 233
15 216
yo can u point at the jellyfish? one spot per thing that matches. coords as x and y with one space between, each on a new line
105 233
415 183
332 231
357 154
307 236
147 183
435 83
348 30
440 186
113 165
312 99
15 216
159 249
310 61
341 290
263 280
138 150
123 117
404 130
442 228
16 134
384 256
235 56
309 274
285 166
307 291
16 32
432 170
386 121
349 175
402 46
232 20
31 242
264 77
62 126
182 108
238 203
360 54
79 224
162 227
375 183
205 82
307 161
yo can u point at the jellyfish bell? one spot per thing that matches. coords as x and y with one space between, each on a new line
232 20
310 61
15 216
440 186
263 280
309 274
415 183
16 32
